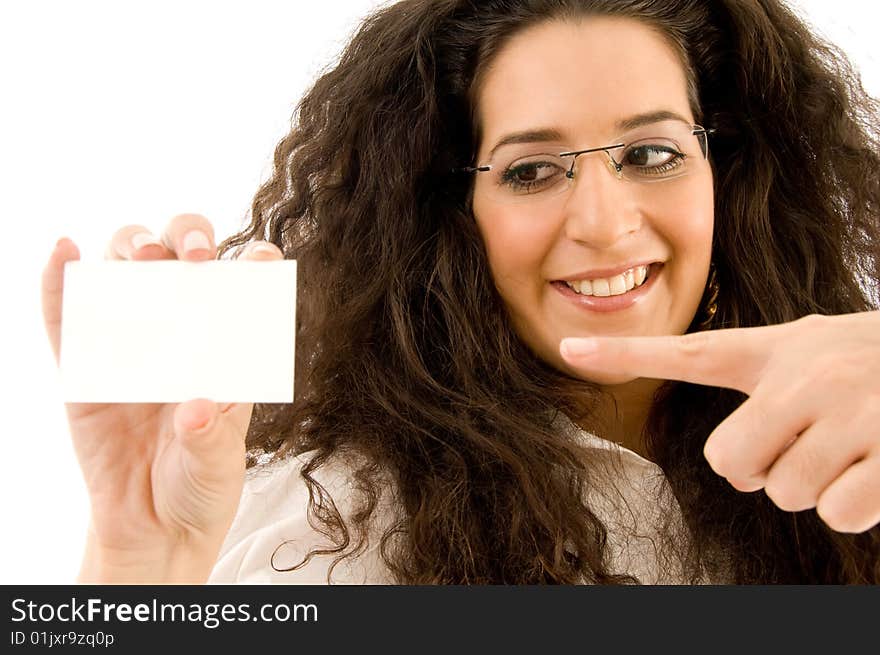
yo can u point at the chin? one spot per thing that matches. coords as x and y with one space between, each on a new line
602 379
608 379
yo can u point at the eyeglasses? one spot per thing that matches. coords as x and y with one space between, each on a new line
530 173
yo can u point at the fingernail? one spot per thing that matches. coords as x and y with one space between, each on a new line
203 427
578 347
142 239
263 248
196 240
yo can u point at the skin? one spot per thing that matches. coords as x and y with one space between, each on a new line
559 75
164 480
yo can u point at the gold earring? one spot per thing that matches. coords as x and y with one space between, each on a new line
712 302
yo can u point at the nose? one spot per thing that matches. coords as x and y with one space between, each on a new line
599 208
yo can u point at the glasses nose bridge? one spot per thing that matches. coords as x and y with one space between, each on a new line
597 191
611 163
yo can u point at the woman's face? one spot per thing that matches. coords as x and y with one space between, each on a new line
571 85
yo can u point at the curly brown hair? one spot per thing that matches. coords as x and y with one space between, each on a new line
406 355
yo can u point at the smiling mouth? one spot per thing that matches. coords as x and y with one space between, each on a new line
617 285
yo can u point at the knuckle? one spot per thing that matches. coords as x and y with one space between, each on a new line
722 462
721 449
792 482
730 451
850 504
693 343
812 321
837 517
713 450
787 495
748 485
697 349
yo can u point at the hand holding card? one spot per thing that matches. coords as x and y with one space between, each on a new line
164 473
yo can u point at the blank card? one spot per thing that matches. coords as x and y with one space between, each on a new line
170 331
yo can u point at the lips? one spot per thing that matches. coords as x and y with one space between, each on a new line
614 303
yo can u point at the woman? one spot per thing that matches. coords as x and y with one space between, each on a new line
472 184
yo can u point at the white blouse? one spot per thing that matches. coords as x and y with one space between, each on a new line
636 506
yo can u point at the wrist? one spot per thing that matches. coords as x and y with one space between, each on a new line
174 564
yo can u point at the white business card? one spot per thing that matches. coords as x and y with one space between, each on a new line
170 331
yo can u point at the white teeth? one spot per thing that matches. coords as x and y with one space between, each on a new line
617 285
601 288
613 286
641 274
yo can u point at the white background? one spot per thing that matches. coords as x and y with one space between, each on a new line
116 113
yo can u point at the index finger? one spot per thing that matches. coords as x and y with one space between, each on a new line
191 237
733 358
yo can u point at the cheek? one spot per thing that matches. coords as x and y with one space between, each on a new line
691 233
688 228
517 243
685 221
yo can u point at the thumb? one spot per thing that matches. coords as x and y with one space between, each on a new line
53 290
194 423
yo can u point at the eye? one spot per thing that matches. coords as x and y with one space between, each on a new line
650 155
532 173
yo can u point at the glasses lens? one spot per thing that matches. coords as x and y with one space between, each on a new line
524 173
530 173
653 159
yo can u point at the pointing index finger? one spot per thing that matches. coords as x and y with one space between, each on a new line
733 358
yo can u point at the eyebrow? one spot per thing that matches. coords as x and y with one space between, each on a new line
623 125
